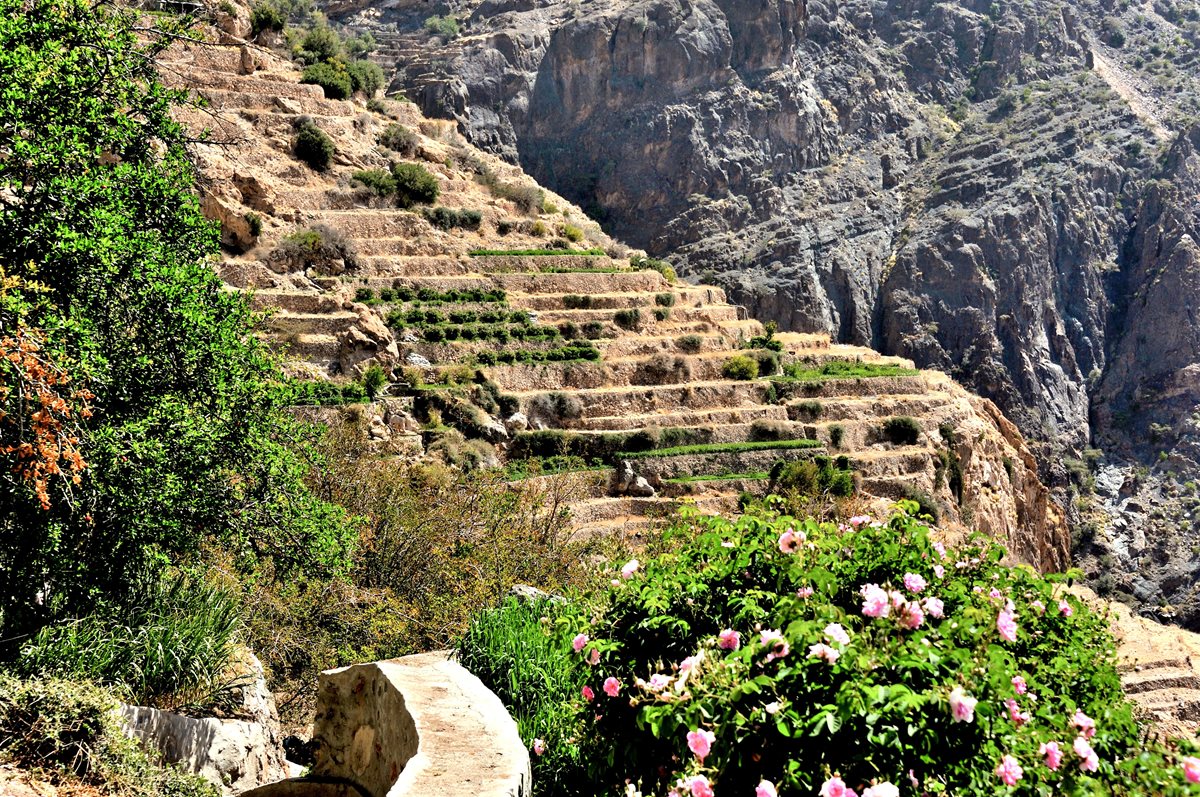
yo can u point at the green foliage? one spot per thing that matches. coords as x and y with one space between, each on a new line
690 344
373 380
844 369
572 233
321 45
574 351
536 253
266 16
799 703
414 185
514 649
73 728
661 266
399 138
378 181
766 340
169 642
186 445
366 76
336 82
722 448
902 430
837 433
628 319
446 26
740 366
450 218
313 146
254 221
574 301
664 299
813 478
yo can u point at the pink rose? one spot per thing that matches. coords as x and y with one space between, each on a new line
1038 607
579 641
1015 714
790 541
884 789
629 569
913 616
700 787
539 746
859 520
1065 609
962 705
834 787
804 593
939 571
1085 724
934 607
1052 753
729 639
588 694
1191 769
1006 624
765 789
593 657
1019 684
1009 770
875 601
612 687
914 582
838 634
823 651
941 549
777 645
700 743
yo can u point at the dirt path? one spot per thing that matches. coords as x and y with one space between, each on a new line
1125 86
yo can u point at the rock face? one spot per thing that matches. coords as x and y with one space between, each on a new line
235 754
975 186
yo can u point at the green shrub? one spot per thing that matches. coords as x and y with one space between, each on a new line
593 330
266 16
792 653
446 26
690 344
537 229
321 44
360 46
740 366
56 725
254 221
813 478
661 266
809 409
768 361
628 319
902 430
662 313
373 380
313 146
335 82
450 218
175 638
365 76
399 138
572 233
577 302
664 299
414 185
837 433
378 181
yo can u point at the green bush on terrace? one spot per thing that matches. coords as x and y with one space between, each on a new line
775 655
843 369
722 448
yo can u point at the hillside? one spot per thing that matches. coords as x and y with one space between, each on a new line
1003 191
658 381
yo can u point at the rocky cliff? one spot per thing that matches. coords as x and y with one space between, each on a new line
1004 191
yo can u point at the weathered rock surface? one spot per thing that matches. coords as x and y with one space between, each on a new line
972 185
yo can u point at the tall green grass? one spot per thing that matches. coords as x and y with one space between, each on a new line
721 448
177 638
520 657
842 369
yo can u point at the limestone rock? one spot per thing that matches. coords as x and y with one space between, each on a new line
255 193
235 227
417 361
517 422
368 341
627 482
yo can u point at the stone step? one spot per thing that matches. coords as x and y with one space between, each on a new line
898 461
716 433
201 79
683 296
684 418
296 302
1154 664
311 323
660 398
660 469
712 313
311 104
1163 678
1182 703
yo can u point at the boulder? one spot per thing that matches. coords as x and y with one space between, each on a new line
517 422
235 226
369 340
625 481
417 361
255 193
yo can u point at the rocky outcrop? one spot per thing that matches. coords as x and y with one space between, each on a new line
234 754
970 185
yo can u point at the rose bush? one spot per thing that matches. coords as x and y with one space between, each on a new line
776 655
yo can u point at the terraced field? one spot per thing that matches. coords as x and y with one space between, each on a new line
602 356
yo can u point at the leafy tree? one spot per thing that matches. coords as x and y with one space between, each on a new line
414 185
313 146
366 76
185 445
335 81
